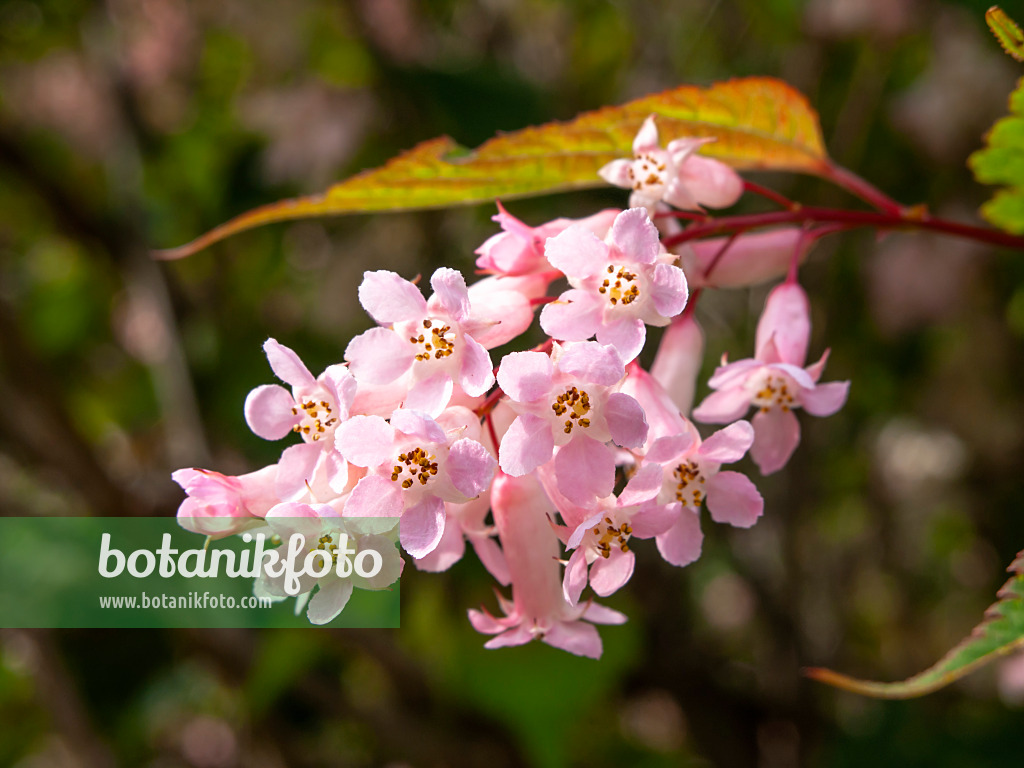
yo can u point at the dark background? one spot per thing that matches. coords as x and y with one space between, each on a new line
131 125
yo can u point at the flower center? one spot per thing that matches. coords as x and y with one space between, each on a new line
415 466
326 544
620 286
775 391
317 419
608 536
575 405
648 171
435 341
689 484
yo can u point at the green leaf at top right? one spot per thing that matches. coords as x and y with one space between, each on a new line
1001 162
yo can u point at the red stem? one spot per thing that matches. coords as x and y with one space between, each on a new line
905 218
862 188
771 194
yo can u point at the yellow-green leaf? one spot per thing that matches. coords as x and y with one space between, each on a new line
1007 32
1001 632
758 123
1001 161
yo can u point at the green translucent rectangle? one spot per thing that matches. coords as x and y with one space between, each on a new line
50 578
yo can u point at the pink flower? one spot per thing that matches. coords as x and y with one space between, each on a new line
538 609
690 471
220 505
519 248
567 401
314 408
678 361
674 175
322 529
414 466
618 285
431 345
774 381
602 539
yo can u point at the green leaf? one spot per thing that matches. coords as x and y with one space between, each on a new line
1002 162
1007 32
758 123
1001 632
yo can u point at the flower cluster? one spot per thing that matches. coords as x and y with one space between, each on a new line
552 462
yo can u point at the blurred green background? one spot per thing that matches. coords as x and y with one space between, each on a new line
135 124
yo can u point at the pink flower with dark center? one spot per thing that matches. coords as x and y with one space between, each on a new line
568 401
414 465
313 409
430 346
674 175
619 285
538 609
775 381
322 530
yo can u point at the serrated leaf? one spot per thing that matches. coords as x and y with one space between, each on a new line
1002 162
758 123
1007 32
1001 632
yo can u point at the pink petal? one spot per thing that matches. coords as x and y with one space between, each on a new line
431 396
617 173
787 318
286 365
493 559
422 526
723 406
575 578
679 195
419 425
379 356
733 498
734 374
815 370
776 435
366 441
608 574
576 252
576 637
711 181
626 420
592 362
375 496
668 290
585 470
389 298
646 138
635 236
337 471
330 599
485 623
476 374
665 449
825 399
729 444
627 335
269 412
518 636
525 376
501 308
470 467
600 614
682 149
450 287
449 550
527 444
342 384
655 519
581 529
290 519
681 544
643 485
574 316
295 469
